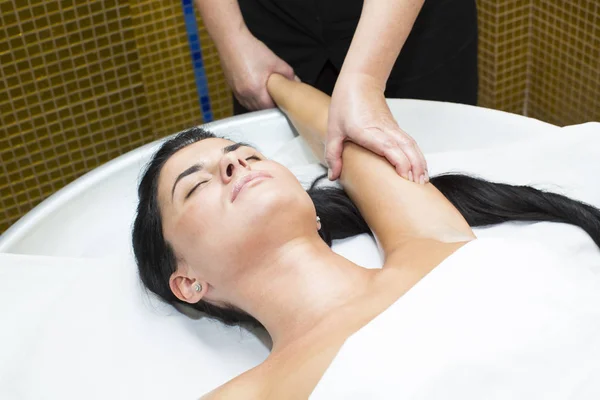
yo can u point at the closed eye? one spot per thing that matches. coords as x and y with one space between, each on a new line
256 158
194 188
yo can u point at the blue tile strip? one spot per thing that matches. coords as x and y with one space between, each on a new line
198 64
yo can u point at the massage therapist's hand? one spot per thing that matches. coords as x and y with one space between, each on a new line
359 113
247 63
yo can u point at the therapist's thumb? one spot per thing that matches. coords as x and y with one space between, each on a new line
283 68
333 156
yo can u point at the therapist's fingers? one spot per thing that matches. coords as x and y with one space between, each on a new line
402 151
413 153
333 155
399 150
385 143
394 144
400 162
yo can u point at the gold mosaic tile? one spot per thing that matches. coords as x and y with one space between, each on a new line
503 53
541 58
51 71
565 62
84 82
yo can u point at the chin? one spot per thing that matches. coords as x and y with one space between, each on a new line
273 214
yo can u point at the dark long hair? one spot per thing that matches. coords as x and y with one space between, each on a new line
480 202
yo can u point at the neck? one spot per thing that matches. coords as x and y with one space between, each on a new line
300 284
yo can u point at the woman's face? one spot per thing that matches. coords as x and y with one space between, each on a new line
223 205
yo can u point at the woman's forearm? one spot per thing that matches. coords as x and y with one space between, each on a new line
308 110
396 210
382 30
306 107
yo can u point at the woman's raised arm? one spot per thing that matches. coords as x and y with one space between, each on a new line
396 209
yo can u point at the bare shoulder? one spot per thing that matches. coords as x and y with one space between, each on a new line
424 251
290 373
249 385
422 255
412 261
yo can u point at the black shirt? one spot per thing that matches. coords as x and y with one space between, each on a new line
307 33
437 62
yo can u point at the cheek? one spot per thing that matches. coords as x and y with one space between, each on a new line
199 222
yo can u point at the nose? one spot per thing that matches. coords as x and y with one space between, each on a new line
231 165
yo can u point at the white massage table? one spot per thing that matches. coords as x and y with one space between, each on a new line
76 323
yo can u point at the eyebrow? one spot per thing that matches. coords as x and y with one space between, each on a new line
199 166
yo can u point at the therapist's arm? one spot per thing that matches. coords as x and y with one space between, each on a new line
382 30
358 111
223 20
247 63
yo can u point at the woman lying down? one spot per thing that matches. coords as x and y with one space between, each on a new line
223 228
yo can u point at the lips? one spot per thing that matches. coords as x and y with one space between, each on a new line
244 180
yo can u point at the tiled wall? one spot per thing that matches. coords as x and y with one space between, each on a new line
72 95
504 36
82 82
564 72
541 58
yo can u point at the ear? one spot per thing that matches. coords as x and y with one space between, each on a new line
184 287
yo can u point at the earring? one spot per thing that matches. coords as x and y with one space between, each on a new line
318 219
198 287
318 223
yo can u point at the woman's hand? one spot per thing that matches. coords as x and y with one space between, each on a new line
359 113
247 63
